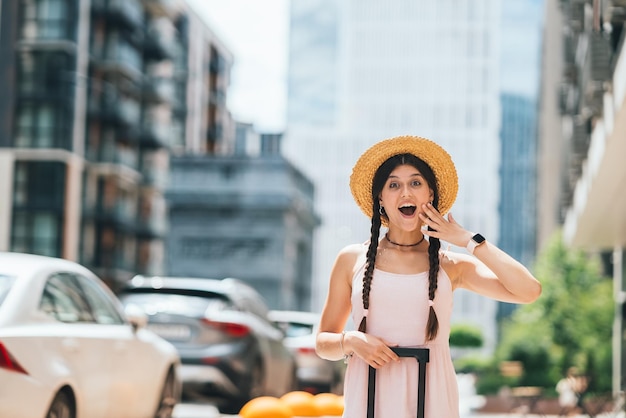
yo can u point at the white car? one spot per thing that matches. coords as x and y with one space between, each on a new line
315 374
68 349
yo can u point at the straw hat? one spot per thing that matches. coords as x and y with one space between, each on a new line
428 151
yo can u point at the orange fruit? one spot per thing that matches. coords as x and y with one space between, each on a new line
265 407
329 404
301 403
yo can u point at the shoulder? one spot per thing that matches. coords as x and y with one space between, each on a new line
352 253
351 257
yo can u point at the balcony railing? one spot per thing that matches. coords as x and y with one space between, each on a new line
157 46
127 158
123 214
155 177
126 12
153 226
155 135
160 8
113 108
158 89
119 57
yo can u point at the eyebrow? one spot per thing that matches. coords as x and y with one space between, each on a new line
412 175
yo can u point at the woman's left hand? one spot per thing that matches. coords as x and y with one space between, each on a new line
445 229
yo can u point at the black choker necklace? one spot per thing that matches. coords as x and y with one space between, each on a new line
404 245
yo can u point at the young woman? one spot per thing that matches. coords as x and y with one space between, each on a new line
399 287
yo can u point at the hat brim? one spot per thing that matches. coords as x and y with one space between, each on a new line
431 153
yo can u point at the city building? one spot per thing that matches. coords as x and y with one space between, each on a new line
247 215
520 67
96 96
586 89
362 71
518 189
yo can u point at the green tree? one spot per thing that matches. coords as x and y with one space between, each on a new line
569 325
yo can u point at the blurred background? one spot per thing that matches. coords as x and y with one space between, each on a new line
215 139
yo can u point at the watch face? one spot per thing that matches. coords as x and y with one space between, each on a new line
478 238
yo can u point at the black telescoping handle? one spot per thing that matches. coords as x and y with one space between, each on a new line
422 355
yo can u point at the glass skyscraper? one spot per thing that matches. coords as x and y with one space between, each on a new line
361 71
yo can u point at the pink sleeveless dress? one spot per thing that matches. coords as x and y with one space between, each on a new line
398 312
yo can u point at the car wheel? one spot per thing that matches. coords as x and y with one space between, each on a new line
253 389
61 407
168 398
256 381
295 384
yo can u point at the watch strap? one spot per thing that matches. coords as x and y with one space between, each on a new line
474 242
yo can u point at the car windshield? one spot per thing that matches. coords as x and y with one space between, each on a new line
5 285
194 304
295 329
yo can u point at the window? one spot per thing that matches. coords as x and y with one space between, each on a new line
63 300
38 205
102 307
45 73
5 285
39 185
48 19
44 110
72 298
36 126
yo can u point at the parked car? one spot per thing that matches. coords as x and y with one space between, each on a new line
68 349
227 344
315 374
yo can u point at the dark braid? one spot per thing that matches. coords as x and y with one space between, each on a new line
371 262
432 326
434 245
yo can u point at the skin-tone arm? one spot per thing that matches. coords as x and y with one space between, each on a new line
490 272
330 340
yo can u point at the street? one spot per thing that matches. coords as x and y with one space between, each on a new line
468 402
188 410
209 411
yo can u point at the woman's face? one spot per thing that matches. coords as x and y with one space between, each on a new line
402 197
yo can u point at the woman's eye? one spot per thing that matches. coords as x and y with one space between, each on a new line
416 183
393 185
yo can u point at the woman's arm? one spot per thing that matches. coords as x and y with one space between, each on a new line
331 342
491 272
337 307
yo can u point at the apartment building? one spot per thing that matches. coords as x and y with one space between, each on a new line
586 88
96 96
247 215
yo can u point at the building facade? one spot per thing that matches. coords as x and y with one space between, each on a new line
248 215
588 37
96 95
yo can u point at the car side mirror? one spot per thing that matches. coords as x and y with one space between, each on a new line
136 316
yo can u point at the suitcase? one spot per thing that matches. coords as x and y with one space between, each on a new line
422 357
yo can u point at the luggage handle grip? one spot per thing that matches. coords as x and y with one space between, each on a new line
422 355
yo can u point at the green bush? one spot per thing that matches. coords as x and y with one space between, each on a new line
465 336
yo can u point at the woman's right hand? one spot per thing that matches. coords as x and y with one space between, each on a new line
373 350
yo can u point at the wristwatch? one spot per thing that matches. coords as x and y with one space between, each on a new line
476 240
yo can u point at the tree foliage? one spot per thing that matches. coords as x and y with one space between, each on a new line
465 336
569 325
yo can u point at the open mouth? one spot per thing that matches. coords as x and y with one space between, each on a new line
407 210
